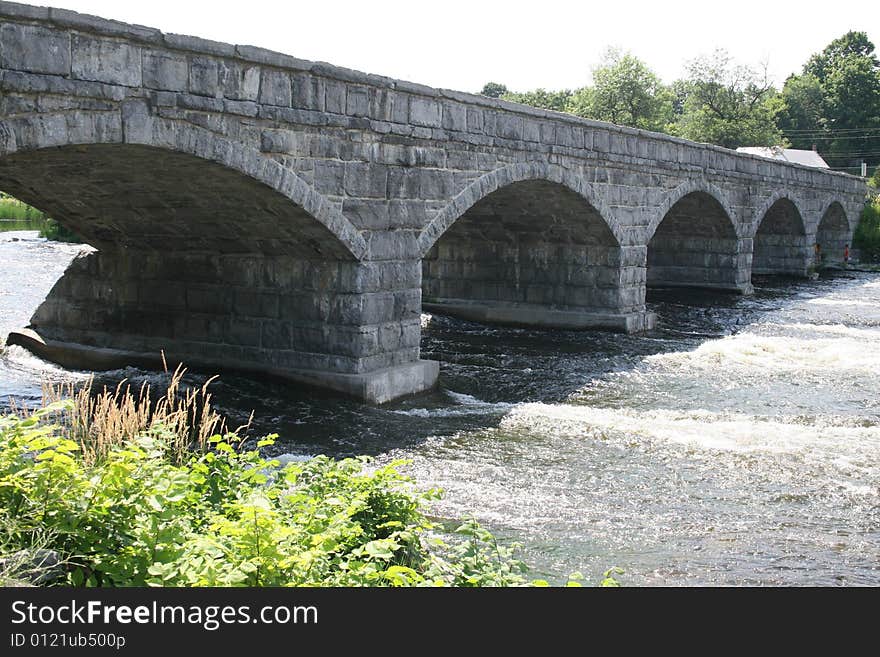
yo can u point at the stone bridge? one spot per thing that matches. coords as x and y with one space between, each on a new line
253 211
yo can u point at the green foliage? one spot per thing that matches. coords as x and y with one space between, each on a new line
58 233
837 99
852 44
802 116
12 209
867 234
727 104
16 215
551 100
625 92
226 516
493 90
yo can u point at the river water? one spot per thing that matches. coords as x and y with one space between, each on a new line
738 444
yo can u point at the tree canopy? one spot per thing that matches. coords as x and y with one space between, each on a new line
727 104
833 104
625 91
493 90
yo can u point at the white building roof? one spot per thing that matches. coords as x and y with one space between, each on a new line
807 158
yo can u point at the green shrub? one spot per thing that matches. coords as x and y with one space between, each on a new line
139 516
52 230
867 234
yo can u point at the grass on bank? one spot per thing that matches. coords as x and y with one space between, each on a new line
128 492
16 215
12 209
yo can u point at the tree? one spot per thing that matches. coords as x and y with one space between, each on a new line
851 44
493 90
551 100
835 104
802 117
625 92
727 104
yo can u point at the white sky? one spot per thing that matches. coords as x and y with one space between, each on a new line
553 44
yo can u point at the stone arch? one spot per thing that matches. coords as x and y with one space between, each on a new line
684 189
694 242
529 245
500 178
833 233
132 127
779 237
761 211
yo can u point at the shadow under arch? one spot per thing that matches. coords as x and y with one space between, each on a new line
833 234
529 246
693 241
780 240
112 169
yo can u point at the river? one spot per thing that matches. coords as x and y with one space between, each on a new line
738 444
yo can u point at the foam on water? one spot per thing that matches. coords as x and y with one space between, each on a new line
850 446
775 354
465 405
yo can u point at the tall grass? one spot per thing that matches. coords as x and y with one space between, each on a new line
100 421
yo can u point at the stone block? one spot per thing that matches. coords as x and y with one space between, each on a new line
377 308
275 88
103 60
165 70
206 299
509 126
334 97
365 180
357 101
239 81
436 184
204 76
455 116
308 92
243 331
425 112
276 335
403 183
34 49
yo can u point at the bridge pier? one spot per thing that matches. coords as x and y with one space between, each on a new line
325 323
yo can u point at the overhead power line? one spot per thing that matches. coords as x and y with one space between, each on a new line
831 130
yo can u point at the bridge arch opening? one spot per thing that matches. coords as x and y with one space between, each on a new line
147 198
532 253
199 260
780 243
833 235
695 245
